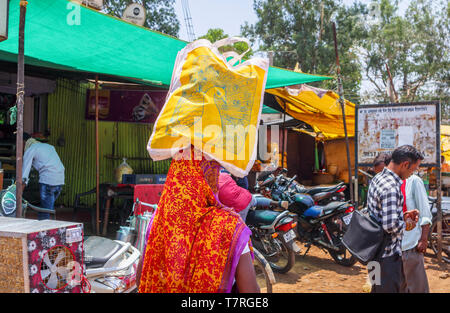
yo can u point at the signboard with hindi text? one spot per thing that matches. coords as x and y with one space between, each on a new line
382 128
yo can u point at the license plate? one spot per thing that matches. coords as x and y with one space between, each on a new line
347 218
290 235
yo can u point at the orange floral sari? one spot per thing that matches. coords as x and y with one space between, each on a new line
194 242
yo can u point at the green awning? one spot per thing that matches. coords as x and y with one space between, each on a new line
268 110
60 35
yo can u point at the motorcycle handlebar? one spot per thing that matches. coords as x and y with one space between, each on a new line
290 182
38 209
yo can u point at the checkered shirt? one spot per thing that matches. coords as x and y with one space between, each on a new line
385 203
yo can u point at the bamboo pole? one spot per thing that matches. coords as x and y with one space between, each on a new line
20 101
97 161
341 101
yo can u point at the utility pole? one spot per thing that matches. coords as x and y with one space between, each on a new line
97 162
188 20
342 102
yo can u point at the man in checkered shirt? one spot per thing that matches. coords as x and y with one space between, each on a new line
385 203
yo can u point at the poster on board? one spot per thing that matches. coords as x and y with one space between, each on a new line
386 127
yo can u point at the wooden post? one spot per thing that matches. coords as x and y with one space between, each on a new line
106 217
20 101
284 135
341 101
97 162
438 186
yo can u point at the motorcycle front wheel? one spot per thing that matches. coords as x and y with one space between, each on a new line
343 257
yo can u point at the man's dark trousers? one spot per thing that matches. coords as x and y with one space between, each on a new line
391 275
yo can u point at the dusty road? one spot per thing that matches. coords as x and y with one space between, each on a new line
318 273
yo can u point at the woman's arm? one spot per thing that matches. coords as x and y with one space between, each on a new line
245 275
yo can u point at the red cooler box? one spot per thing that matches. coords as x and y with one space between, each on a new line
147 193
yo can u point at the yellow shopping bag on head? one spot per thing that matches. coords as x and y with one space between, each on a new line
214 104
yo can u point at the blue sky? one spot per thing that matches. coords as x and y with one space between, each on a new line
228 14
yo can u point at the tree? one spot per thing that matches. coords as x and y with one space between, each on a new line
160 14
416 49
215 34
299 31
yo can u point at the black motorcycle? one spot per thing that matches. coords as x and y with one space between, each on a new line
323 226
320 195
274 235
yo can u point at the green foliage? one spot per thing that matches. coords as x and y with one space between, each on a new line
299 31
370 36
161 14
416 48
215 34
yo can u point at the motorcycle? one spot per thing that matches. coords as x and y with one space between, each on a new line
321 195
274 235
323 226
433 234
111 265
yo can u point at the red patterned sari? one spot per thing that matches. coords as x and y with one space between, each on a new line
194 242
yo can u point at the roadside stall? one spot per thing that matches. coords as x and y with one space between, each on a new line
318 130
89 82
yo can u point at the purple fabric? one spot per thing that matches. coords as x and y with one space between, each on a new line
240 245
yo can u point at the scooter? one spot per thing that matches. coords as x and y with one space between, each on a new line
111 265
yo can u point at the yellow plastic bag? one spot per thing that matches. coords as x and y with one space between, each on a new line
213 104
123 168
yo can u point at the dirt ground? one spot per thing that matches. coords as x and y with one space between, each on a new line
318 273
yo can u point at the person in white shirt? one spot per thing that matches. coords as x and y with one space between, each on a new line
45 160
414 242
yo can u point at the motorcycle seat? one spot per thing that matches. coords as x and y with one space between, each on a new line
332 206
315 190
98 250
261 217
318 210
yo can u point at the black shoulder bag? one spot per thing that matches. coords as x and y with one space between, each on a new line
365 238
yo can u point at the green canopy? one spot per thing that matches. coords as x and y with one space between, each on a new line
268 110
61 35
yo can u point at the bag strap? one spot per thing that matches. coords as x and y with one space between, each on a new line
403 189
235 57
